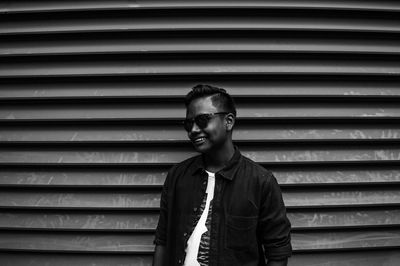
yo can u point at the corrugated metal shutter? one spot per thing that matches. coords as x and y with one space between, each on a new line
91 98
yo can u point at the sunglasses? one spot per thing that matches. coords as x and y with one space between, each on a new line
200 120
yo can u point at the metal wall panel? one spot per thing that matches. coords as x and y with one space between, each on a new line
91 99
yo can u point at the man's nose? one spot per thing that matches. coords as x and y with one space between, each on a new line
195 128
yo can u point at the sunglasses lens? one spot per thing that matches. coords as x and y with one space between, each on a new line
200 120
188 124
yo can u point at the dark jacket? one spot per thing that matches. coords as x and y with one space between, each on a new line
248 214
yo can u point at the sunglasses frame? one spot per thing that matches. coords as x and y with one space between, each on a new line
188 123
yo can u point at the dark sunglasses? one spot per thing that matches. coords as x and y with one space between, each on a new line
200 120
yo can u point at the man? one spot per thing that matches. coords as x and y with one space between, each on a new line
219 208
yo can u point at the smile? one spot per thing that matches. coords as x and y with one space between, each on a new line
199 140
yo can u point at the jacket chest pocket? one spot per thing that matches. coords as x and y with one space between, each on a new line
240 232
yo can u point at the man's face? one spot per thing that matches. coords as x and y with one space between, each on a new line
214 135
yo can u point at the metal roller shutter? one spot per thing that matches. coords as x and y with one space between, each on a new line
91 98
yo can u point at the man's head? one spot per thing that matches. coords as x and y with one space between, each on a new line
210 117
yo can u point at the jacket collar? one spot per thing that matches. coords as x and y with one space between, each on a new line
227 172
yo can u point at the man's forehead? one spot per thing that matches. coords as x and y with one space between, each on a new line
201 105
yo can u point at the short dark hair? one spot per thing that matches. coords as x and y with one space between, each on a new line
219 97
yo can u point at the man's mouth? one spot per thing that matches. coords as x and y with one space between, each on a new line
198 141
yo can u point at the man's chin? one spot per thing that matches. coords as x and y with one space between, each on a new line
201 148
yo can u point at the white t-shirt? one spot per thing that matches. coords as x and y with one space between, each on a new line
194 241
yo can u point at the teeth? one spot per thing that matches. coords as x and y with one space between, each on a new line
199 139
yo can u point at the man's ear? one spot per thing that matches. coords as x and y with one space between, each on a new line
230 121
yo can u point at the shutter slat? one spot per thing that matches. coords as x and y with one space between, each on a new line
343 218
143 133
81 242
151 200
123 222
148 177
176 111
142 243
151 154
77 259
196 23
48 6
80 221
238 86
134 200
202 67
350 258
198 45
351 239
337 258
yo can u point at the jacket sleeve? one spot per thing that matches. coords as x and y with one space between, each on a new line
274 226
161 231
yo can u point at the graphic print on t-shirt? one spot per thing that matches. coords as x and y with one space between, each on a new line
199 242
202 256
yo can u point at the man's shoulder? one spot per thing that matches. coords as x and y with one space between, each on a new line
256 168
185 164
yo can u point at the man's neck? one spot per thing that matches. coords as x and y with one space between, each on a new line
217 160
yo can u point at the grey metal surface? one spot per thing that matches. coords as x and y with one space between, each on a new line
177 87
47 6
91 99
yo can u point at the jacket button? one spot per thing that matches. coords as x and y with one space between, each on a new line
180 261
185 234
195 209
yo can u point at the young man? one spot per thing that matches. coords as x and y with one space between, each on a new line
219 208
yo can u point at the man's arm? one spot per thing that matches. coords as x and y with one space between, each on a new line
274 225
160 253
159 256
277 262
